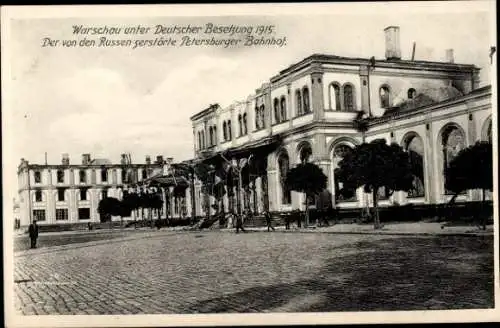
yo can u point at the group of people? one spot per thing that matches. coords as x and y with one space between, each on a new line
246 214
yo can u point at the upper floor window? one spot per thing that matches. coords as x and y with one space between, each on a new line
210 136
214 131
38 196
144 174
298 102
305 97
38 177
385 101
348 98
60 194
334 96
224 130
240 124
60 176
229 130
283 109
257 118
83 176
124 175
83 193
245 127
412 93
262 116
104 174
276 106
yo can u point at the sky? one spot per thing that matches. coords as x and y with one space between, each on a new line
107 101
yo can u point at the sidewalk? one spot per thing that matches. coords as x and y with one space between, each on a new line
413 228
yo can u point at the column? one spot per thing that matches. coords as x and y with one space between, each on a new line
430 169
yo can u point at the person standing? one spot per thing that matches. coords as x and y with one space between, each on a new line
239 223
268 217
33 232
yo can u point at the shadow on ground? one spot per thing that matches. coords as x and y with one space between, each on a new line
432 273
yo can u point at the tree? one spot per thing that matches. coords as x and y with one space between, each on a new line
108 207
472 168
307 178
376 165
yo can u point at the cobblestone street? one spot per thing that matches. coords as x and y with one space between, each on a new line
211 272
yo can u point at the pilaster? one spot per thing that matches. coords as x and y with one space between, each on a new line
318 106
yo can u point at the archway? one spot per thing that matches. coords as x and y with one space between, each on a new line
453 140
283 168
339 151
304 150
414 145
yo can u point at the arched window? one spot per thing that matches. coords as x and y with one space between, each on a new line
341 195
245 130
334 95
83 176
210 136
385 96
262 116
214 129
224 130
203 139
276 106
348 98
414 145
305 153
283 109
229 130
298 102
240 124
38 196
453 141
284 166
257 118
412 93
305 98
488 133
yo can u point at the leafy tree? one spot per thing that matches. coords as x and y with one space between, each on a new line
108 207
472 168
307 178
376 165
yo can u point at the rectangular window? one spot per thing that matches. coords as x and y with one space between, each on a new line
84 214
38 196
124 176
38 177
60 194
83 176
144 174
105 193
83 193
104 175
39 215
60 176
61 214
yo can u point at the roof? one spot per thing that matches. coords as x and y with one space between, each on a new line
100 161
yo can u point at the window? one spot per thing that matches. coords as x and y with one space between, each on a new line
104 175
38 196
348 98
283 165
210 136
144 174
283 109
257 118
104 193
411 93
276 110
124 175
453 141
61 214
60 194
199 140
305 153
334 93
203 139
305 97
229 130
38 177
84 214
298 102
262 117
83 193
415 148
385 101
240 124
83 176
39 215
245 126
224 130
215 135
60 176
342 194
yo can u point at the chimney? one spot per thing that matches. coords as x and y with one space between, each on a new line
392 50
449 56
159 159
123 160
85 159
65 159
148 159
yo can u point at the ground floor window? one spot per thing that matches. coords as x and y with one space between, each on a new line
83 213
62 214
39 215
